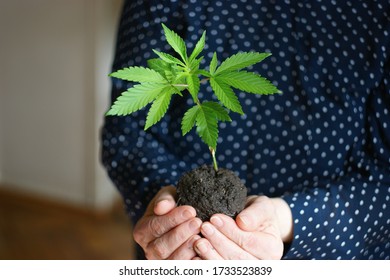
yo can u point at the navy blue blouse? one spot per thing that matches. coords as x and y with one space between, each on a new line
323 144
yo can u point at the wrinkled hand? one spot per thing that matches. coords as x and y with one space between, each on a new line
257 233
166 231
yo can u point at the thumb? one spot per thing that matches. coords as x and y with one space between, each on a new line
163 202
255 214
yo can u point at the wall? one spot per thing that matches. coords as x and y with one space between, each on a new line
53 95
1 124
104 21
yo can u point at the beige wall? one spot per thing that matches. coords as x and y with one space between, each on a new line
1 123
55 56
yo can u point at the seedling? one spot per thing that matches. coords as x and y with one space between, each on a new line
167 75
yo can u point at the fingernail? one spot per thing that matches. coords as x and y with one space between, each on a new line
217 221
201 247
245 220
187 214
195 225
160 200
195 238
192 241
207 229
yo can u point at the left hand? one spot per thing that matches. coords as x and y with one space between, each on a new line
258 232
167 231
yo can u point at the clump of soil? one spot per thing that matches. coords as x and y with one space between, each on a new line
211 192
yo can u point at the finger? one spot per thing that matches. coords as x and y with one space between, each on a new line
186 251
163 207
163 202
256 215
164 246
206 251
152 227
262 245
226 248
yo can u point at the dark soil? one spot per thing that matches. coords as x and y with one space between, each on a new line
211 192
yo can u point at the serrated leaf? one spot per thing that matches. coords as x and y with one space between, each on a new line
167 70
193 86
248 82
176 42
159 65
135 98
170 75
226 95
213 63
194 64
189 119
241 60
207 126
168 58
198 47
180 78
138 74
159 107
204 73
219 111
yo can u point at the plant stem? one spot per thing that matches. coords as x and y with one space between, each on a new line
180 85
212 151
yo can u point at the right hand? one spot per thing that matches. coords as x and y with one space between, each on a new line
167 231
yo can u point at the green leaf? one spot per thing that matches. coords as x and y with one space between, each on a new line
198 47
159 65
225 95
207 126
248 82
189 119
213 63
241 60
159 107
168 75
168 70
193 86
204 73
135 98
194 64
219 111
171 74
169 58
138 74
176 42
180 78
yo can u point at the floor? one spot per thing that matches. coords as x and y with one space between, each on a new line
32 228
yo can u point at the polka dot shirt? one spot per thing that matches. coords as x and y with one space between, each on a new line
323 144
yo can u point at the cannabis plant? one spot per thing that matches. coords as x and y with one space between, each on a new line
167 75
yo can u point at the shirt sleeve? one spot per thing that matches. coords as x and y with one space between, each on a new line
349 216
